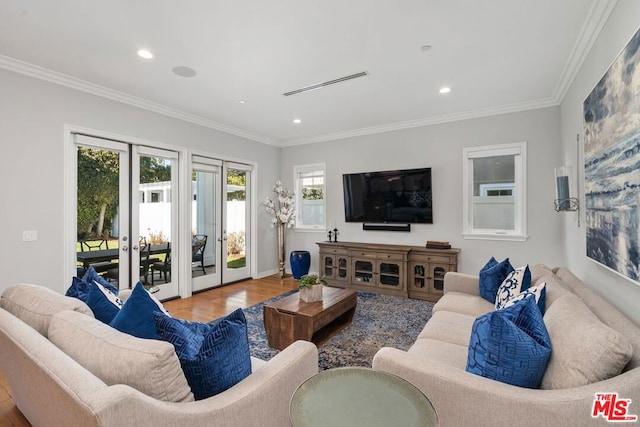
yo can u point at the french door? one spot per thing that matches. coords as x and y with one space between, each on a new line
126 213
220 217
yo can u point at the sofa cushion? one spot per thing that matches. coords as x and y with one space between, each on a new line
136 315
35 305
585 350
149 366
537 271
448 326
554 288
214 356
458 302
453 355
491 276
510 345
517 281
104 304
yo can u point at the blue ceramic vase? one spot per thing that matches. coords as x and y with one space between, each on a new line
300 263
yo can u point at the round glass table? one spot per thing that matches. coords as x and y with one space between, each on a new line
352 397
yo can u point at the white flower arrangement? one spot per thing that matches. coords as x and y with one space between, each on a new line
283 208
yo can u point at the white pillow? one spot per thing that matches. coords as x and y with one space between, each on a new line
517 281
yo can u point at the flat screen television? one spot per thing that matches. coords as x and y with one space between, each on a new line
394 196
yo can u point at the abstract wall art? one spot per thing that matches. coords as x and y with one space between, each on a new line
612 165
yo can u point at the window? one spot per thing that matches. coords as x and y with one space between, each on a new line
494 189
309 188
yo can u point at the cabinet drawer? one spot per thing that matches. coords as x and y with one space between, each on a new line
430 258
334 251
396 257
378 255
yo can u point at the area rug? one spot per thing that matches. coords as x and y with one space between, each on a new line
379 321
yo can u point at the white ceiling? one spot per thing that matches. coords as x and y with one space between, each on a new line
496 55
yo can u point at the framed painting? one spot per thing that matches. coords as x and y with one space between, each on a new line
612 165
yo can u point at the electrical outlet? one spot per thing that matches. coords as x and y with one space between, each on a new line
29 236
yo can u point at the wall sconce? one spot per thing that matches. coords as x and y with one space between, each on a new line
564 184
565 187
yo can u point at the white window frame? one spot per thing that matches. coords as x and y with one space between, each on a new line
519 231
297 170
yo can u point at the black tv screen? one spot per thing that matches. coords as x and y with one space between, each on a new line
395 196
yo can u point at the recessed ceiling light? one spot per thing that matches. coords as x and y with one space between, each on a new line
242 101
297 121
144 53
425 48
183 71
445 89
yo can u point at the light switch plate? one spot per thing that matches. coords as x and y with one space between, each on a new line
29 236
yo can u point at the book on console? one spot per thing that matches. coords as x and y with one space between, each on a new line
432 244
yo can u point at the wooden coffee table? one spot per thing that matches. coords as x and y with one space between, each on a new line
289 319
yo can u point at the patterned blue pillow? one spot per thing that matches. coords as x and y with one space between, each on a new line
517 281
540 293
78 289
491 276
91 276
510 345
104 304
214 356
136 316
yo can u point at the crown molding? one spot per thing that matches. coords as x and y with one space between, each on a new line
51 76
597 17
428 121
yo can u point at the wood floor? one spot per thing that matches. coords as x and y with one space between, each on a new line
202 307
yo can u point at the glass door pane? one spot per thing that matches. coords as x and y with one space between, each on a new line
205 226
154 232
236 233
102 171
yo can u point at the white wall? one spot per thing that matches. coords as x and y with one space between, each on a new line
440 147
622 24
32 115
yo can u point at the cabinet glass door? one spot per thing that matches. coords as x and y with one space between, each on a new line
363 271
419 278
343 272
328 267
389 274
438 273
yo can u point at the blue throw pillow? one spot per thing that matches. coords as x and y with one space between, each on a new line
510 345
92 276
214 356
136 316
517 281
78 289
104 304
491 276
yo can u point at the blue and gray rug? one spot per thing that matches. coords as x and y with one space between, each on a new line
379 321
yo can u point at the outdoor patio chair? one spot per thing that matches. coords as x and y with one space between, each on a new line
162 267
198 245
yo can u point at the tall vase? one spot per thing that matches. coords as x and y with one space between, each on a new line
281 271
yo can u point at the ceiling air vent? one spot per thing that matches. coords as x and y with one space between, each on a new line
327 83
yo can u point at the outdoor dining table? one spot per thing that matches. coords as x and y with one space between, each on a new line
92 257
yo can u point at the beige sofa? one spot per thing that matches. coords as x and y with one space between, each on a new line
51 388
590 340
